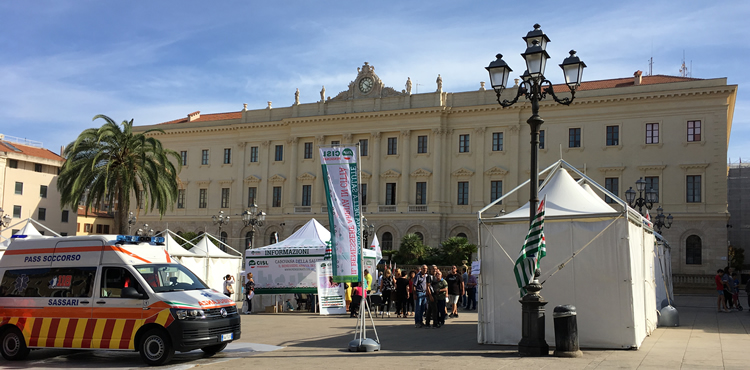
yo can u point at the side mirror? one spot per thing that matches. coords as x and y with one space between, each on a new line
130 292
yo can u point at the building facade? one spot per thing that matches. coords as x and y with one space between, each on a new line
431 161
28 181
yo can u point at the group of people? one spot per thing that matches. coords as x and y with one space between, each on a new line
426 294
249 291
728 288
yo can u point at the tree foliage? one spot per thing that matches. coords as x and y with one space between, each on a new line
736 258
454 250
109 165
411 251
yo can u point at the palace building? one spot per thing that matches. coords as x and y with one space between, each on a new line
430 161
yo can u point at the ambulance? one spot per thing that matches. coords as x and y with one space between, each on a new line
108 292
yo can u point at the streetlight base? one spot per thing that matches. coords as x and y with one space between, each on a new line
366 345
532 342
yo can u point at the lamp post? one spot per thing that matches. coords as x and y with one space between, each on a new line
254 218
220 220
535 87
131 221
367 231
659 220
4 219
652 196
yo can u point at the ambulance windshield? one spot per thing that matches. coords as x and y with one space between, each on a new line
170 277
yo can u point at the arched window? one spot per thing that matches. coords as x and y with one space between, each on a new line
249 240
387 241
462 235
274 238
421 237
223 239
693 250
179 233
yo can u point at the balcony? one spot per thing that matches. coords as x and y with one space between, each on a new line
387 209
417 208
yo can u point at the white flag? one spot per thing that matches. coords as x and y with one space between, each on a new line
376 246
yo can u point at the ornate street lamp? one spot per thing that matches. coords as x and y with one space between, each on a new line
4 219
535 87
659 220
367 232
254 218
131 221
220 220
652 196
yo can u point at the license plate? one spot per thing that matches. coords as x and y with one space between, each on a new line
226 337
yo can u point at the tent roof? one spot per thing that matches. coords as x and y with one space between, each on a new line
564 198
312 234
30 231
205 247
174 248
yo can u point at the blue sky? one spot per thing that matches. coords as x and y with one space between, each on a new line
63 62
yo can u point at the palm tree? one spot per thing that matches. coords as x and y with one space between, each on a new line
108 165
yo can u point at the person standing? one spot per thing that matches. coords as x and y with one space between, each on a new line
455 290
228 285
368 278
431 304
411 294
465 279
728 287
720 286
440 287
420 296
387 287
471 292
402 294
249 293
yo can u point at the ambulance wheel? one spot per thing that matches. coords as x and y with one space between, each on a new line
156 347
212 350
13 345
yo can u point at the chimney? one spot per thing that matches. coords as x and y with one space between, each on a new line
637 79
194 116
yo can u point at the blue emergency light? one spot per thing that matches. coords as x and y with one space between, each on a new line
135 239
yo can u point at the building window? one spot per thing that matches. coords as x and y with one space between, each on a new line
43 191
461 235
652 182
387 241
99 228
363 194
392 145
308 150
65 215
421 193
693 249
463 193
180 198
37 167
422 144
87 228
390 194
183 155
613 185
279 154
227 155
19 188
274 238
574 138
496 190
276 196
497 141
541 139
335 143
694 130
251 192
204 157
249 239
306 195
463 143
106 229
694 189
13 163
652 133
364 147
420 236
223 239
224 197
42 214
202 198
613 135
253 154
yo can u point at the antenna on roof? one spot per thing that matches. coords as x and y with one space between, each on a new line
651 66
684 72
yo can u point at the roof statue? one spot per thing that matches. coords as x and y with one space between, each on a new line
367 85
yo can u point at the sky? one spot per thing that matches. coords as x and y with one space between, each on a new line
63 62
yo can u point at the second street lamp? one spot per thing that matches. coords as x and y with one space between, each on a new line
254 218
659 220
652 196
221 220
4 219
131 221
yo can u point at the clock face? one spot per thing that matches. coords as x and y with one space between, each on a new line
365 85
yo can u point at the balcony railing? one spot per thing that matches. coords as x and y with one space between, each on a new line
387 209
417 208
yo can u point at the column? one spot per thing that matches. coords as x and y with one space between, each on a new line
403 193
293 159
437 184
320 195
479 183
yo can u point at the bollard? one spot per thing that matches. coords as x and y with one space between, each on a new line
566 331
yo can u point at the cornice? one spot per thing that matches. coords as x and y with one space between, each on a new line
463 172
496 171
689 166
366 115
252 179
226 182
203 182
421 173
651 167
276 178
612 169
306 176
390 173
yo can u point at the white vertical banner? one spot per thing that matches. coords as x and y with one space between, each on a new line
341 181
330 293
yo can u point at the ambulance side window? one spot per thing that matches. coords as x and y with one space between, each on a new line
48 282
114 279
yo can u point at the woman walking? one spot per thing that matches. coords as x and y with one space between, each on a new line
387 287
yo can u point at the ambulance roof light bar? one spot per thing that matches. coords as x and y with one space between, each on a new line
135 239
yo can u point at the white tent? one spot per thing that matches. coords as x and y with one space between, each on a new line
288 266
607 267
174 248
212 264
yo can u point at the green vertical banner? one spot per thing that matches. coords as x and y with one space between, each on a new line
341 181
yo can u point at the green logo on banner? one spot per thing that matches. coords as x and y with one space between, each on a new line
251 263
348 151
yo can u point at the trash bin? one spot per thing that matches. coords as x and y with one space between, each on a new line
566 331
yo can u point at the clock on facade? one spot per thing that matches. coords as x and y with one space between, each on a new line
365 85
